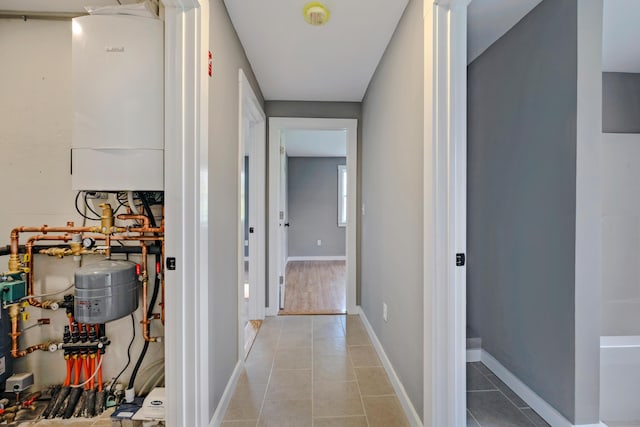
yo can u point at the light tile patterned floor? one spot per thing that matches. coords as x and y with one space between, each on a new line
319 371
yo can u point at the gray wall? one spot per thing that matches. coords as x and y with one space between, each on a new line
313 207
392 192
223 170
522 98
621 102
331 110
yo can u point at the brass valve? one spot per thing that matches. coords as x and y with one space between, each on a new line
106 219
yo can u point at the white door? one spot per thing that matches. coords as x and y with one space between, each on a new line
283 224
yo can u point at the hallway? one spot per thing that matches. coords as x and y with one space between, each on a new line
313 371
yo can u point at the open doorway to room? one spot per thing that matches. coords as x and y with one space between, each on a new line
251 223
314 184
312 171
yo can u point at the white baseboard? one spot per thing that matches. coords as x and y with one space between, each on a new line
474 355
221 410
403 397
318 258
538 404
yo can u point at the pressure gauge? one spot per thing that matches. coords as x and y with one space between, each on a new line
88 242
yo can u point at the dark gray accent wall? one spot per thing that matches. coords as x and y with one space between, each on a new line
522 109
393 194
313 207
621 102
328 110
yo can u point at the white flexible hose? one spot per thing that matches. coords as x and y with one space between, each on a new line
132 205
91 377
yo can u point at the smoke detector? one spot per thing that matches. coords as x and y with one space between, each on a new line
315 13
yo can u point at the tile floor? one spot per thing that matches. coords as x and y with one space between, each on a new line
491 403
319 371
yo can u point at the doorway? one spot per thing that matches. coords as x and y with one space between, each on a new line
251 224
314 188
298 252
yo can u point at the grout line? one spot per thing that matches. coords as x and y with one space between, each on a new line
264 397
498 388
506 397
474 418
364 409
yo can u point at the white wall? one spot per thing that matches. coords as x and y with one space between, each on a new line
620 234
392 194
35 136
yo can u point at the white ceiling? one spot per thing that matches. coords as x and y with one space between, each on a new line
295 61
316 143
56 6
488 20
621 36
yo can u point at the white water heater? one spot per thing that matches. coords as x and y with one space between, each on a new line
118 103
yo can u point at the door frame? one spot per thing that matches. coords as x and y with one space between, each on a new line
276 126
252 128
445 211
186 86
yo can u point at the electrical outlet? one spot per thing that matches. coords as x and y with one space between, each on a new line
319 242
385 312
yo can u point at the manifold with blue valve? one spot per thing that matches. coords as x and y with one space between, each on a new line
118 261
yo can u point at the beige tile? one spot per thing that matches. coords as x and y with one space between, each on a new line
293 358
373 381
353 322
295 338
384 412
296 323
256 374
333 368
358 337
334 399
260 357
329 345
103 423
364 355
327 319
286 413
328 330
340 422
289 385
251 423
246 402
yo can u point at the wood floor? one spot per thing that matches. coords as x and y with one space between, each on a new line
315 287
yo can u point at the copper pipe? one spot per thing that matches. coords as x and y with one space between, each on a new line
28 350
14 312
145 286
30 273
143 218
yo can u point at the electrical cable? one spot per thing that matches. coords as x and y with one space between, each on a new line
86 202
152 303
147 209
80 212
46 295
133 337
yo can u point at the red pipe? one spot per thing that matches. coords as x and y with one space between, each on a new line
99 372
78 366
